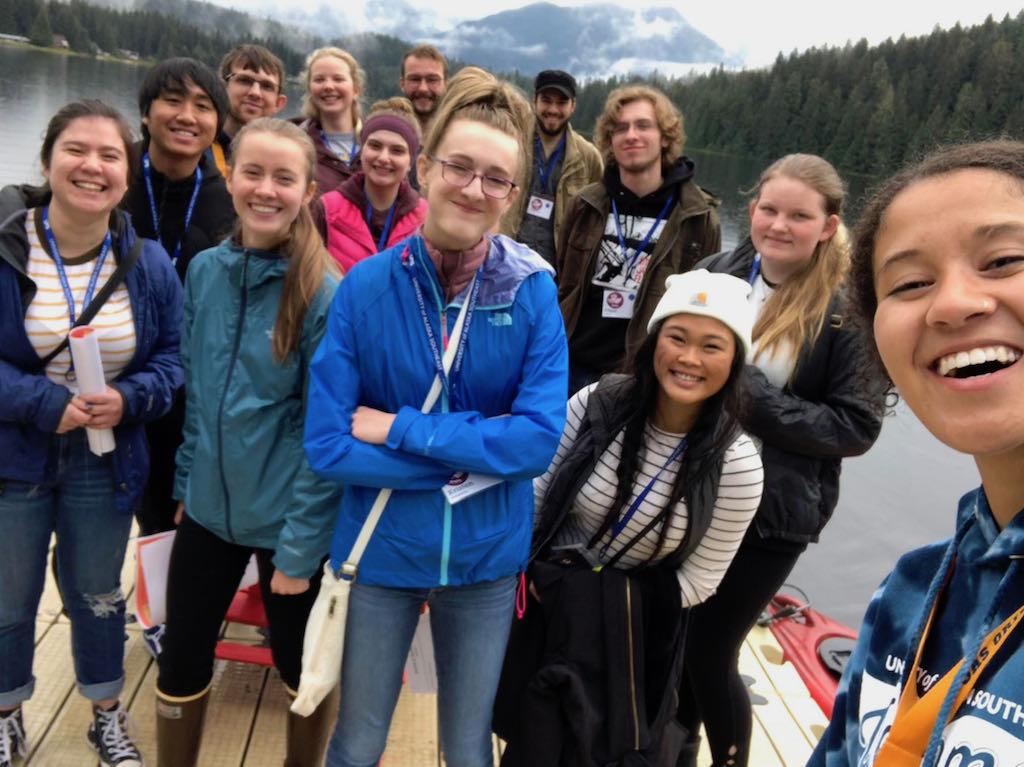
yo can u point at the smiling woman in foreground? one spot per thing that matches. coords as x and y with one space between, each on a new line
938 271
500 413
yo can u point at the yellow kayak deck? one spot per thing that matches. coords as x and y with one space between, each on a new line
245 724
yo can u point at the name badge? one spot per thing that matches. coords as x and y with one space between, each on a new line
462 485
618 304
541 207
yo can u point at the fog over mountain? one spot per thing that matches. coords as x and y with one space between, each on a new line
593 40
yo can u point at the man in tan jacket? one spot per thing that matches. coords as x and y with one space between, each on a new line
561 161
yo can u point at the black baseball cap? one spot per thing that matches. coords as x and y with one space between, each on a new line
557 79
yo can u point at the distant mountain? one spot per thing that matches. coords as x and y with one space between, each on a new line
595 40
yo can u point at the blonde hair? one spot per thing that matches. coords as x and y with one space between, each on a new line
670 121
795 313
308 259
475 94
309 110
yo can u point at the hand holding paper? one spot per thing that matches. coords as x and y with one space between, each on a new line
85 353
105 408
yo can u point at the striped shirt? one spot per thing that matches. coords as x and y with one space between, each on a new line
47 320
739 493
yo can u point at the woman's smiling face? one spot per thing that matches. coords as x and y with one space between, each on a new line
949 277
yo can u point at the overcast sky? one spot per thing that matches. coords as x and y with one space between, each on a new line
757 30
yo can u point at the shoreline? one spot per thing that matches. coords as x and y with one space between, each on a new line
77 54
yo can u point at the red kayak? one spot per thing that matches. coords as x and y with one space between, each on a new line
816 645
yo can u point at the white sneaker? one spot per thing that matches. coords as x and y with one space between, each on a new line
12 737
109 735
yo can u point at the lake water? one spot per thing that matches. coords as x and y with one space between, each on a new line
899 495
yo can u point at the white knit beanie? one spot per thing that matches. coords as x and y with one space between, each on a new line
721 296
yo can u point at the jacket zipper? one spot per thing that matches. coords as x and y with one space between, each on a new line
224 395
446 525
632 666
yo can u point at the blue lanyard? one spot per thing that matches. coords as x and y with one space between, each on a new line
621 524
431 338
755 269
148 175
387 222
545 169
647 237
62 275
351 151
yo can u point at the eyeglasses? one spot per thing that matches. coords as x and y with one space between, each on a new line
420 79
245 82
641 126
461 176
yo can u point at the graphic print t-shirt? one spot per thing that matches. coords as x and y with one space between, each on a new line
599 340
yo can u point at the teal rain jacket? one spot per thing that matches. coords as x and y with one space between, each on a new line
241 469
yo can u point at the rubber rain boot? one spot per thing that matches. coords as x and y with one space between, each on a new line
179 728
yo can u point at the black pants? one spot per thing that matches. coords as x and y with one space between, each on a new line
157 506
712 690
202 581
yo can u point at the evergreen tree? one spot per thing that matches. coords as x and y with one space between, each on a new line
41 33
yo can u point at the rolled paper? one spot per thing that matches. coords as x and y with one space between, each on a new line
85 354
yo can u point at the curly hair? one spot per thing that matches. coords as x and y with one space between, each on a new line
670 121
1006 157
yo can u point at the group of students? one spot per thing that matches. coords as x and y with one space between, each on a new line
675 495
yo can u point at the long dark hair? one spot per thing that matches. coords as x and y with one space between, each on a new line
716 427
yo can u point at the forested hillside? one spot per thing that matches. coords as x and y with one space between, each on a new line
867 109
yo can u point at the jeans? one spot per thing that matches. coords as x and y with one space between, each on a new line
470 627
78 505
202 581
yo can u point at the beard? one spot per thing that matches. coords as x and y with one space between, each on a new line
548 132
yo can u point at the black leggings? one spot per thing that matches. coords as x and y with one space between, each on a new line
203 578
712 690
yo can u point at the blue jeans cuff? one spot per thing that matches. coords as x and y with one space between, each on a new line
18 695
102 690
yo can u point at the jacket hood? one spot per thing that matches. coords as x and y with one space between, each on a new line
17 200
1000 544
672 176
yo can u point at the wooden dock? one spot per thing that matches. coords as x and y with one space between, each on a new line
245 724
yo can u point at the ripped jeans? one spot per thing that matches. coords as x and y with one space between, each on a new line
78 505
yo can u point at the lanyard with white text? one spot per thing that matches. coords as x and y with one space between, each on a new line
916 717
147 174
62 275
621 524
755 269
644 242
351 150
545 169
435 351
387 224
